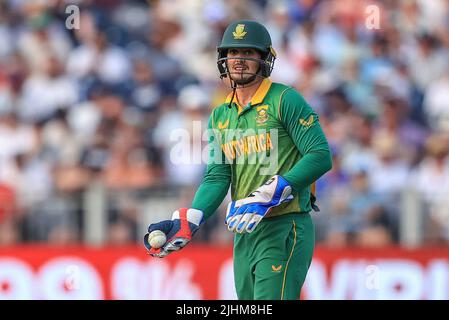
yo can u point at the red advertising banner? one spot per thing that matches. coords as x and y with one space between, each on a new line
205 272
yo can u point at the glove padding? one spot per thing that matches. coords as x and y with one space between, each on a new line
179 231
245 214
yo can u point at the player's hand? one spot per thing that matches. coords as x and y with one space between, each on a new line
179 231
244 215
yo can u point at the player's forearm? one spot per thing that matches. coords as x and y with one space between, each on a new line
213 190
309 168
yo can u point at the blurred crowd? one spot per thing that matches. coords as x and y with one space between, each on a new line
97 102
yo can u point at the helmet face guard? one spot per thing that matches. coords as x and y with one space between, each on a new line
266 63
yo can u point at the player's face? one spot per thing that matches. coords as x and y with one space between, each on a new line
243 71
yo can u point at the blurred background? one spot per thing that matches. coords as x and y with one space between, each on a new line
87 109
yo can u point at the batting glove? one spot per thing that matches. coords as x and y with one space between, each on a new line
179 231
244 215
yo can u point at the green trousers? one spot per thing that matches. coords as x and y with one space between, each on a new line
271 263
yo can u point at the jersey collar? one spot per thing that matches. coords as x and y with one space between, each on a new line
259 95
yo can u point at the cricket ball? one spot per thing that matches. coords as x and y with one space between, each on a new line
157 239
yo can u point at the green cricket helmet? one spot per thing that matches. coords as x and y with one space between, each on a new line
247 34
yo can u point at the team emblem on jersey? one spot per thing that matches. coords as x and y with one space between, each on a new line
222 126
276 269
262 114
239 32
307 123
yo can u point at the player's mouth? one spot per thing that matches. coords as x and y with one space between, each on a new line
239 68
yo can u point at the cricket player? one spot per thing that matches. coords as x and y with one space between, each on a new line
268 145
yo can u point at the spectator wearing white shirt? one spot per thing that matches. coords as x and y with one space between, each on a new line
44 93
96 56
431 179
436 103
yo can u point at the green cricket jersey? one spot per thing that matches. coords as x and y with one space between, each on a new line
276 133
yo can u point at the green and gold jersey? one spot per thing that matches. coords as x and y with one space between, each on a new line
276 133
